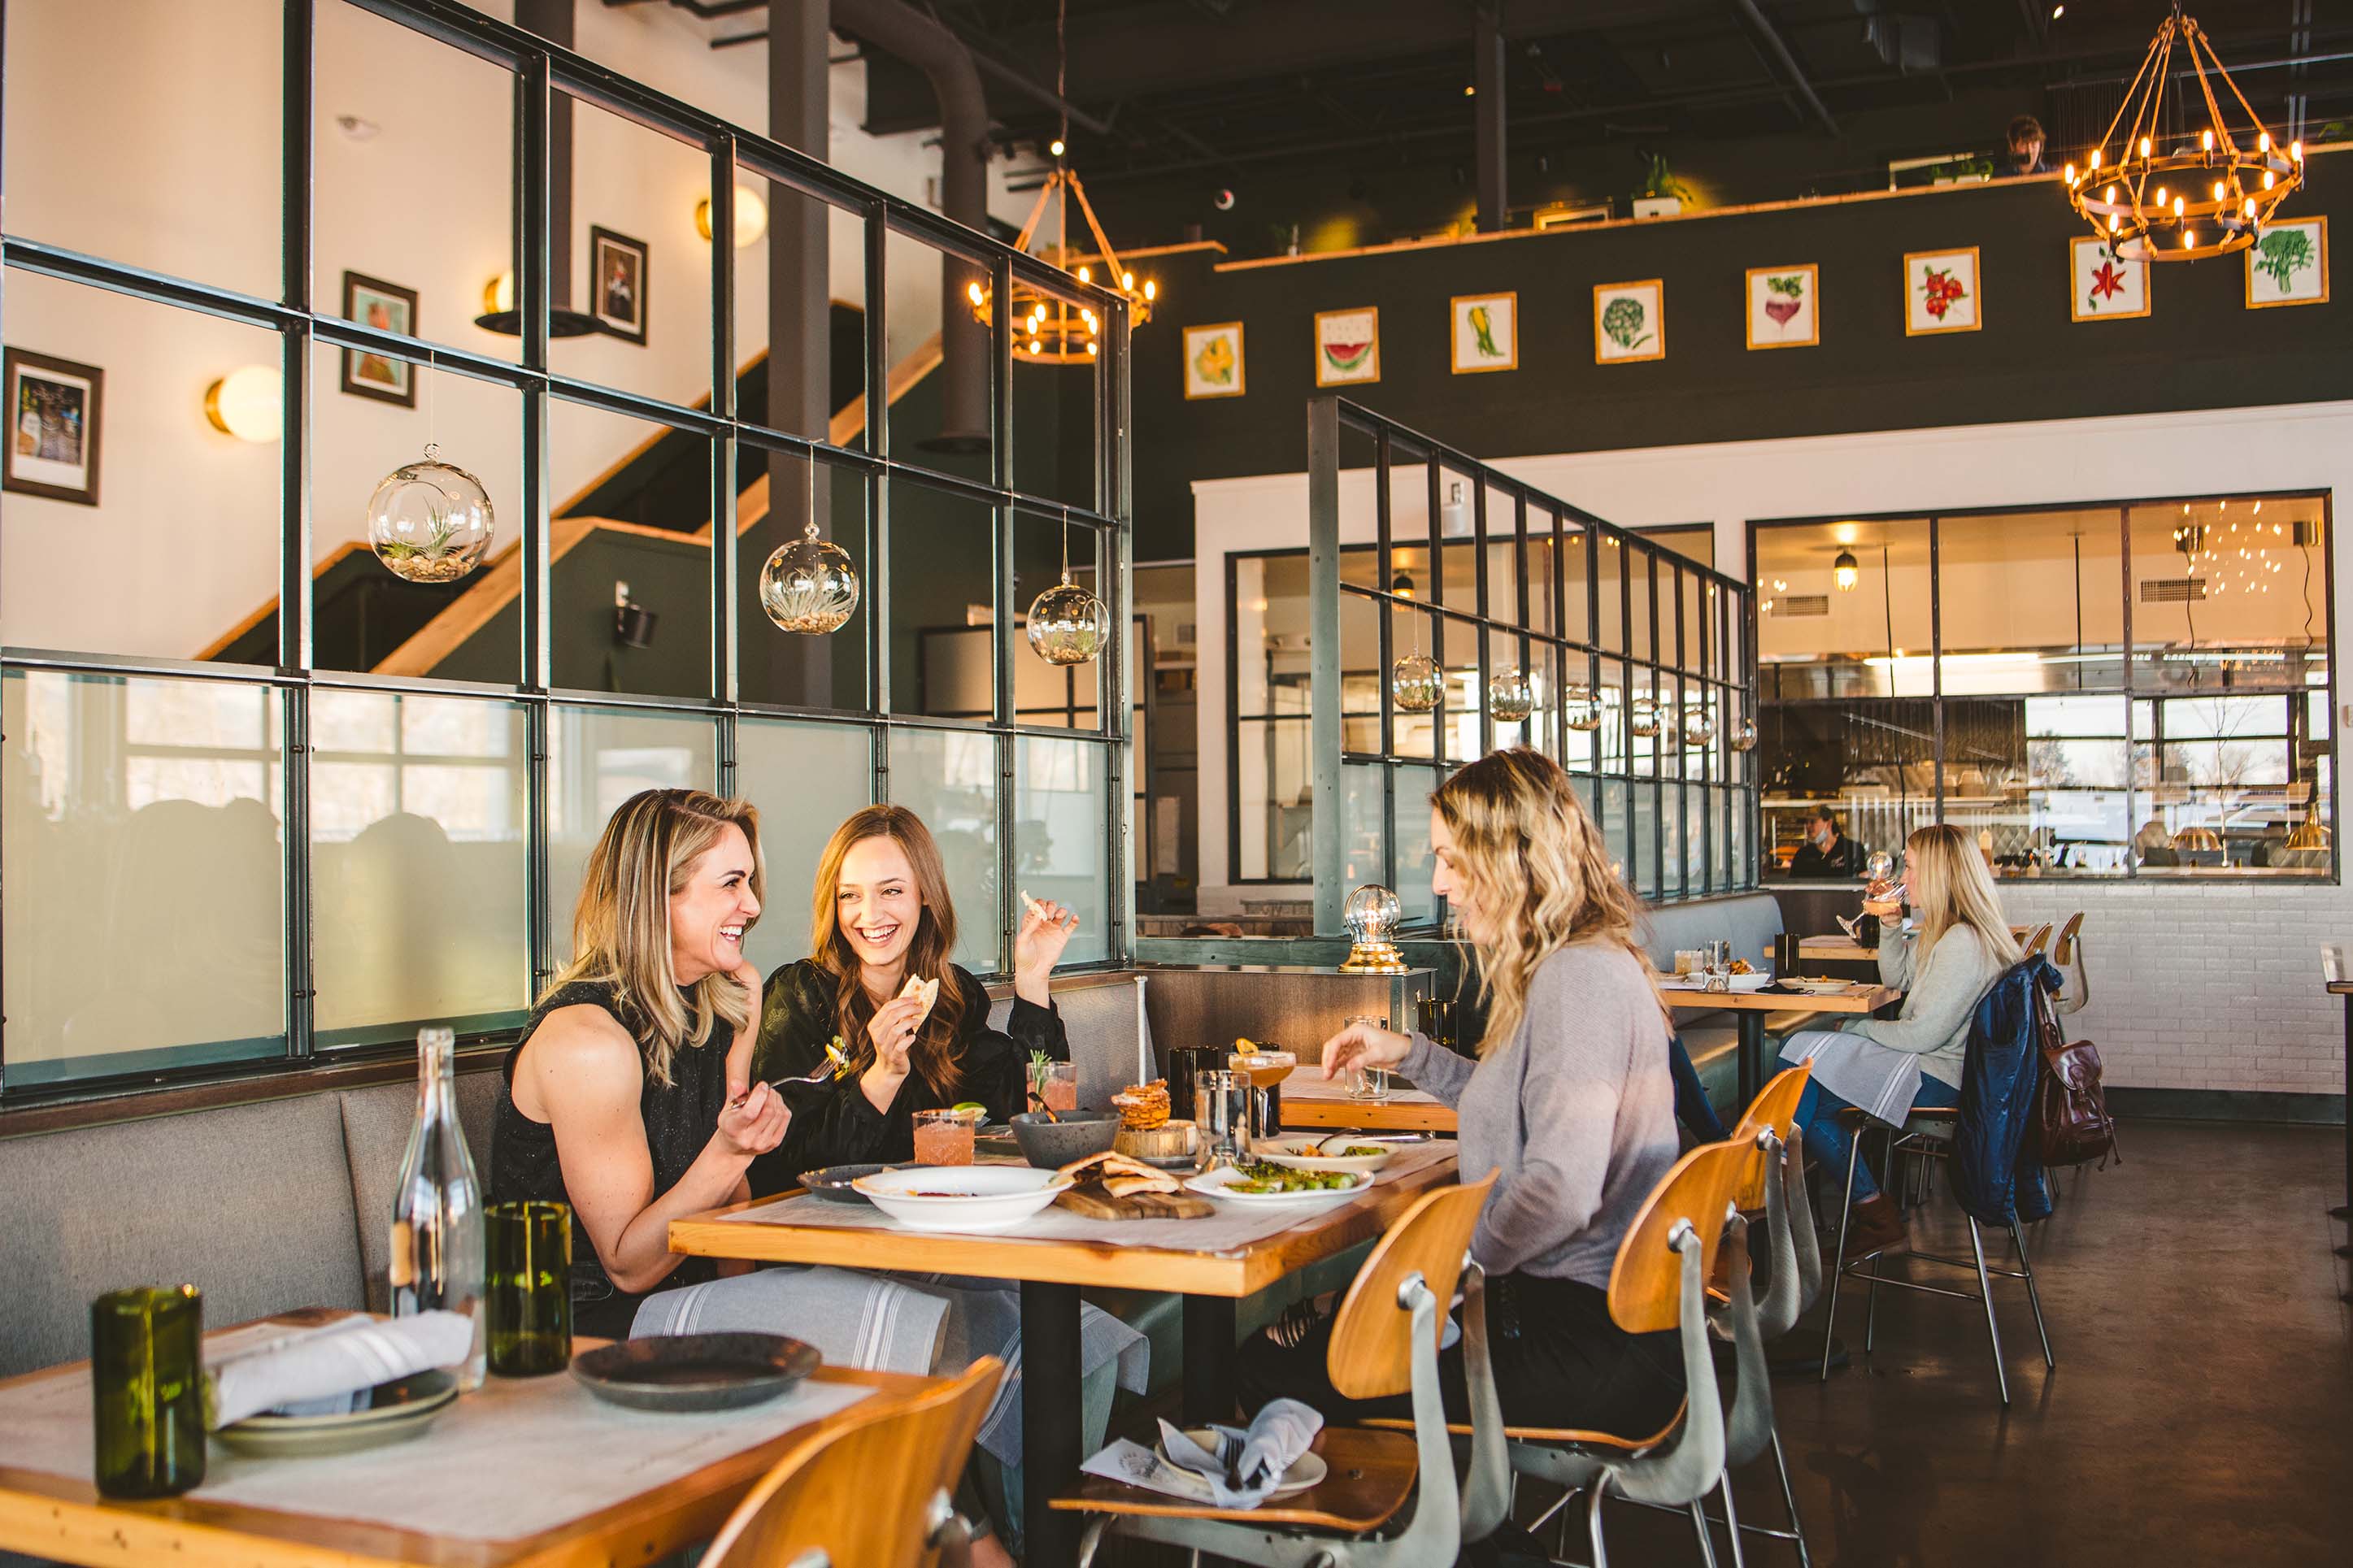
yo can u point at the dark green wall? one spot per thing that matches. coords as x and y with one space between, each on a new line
2200 349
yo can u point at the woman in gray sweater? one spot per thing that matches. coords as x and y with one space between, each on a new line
1570 1102
1876 1064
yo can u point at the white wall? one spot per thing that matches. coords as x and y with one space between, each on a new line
179 174
2206 987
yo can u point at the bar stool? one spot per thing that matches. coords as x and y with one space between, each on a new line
871 1492
1384 1343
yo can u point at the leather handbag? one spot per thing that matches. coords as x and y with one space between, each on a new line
2071 1124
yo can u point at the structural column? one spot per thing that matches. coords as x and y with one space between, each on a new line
800 341
1487 114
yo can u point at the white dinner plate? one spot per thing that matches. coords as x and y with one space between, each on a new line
961 1197
1220 1185
1739 983
1308 1470
1818 987
1299 1153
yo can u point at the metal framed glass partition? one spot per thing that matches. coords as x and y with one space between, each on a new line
1547 627
175 785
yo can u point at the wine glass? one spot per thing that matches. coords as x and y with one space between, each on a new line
1879 870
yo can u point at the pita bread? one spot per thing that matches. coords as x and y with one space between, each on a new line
1128 1186
1076 1166
925 991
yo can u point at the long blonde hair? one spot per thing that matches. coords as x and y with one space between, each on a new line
1952 887
936 1054
621 929
1529 851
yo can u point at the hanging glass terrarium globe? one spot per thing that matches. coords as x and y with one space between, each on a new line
430 521
1066 623
1699 725
1580 709
1743 735
1416 682
1511 696
1642 720
809 585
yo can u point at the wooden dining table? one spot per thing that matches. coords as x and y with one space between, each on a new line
1751 1008
1312 1100
1051 1257
321 1514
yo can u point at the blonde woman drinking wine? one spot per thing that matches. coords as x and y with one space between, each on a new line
1570 1102
1963 945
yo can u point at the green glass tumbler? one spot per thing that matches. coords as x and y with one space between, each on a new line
528 1292
147 1384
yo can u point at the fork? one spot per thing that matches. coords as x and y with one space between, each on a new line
831 1068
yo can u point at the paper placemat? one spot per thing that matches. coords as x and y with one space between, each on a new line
515 1457
1233 1226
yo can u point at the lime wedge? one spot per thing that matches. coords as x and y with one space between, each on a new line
968 1105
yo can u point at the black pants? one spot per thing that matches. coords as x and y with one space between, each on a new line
1559 1360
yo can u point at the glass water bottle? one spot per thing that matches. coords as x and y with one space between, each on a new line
437 1210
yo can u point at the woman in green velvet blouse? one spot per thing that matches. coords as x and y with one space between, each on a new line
881 917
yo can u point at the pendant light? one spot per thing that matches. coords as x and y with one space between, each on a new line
1066 623
430 521
1846 570
810 584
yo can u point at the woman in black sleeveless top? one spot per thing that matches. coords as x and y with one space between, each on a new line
615 1097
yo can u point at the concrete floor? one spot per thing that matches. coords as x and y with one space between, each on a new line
2202 1411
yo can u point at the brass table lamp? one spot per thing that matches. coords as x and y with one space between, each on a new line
1371 913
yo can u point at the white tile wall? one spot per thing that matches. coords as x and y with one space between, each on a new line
2209 988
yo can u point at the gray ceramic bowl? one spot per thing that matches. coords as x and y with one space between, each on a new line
1049 1145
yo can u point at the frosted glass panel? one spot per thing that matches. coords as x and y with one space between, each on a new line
138 821
1411 828
805 778
599 757
418 808
949 779
1060 819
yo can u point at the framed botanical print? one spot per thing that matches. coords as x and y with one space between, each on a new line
1213 361
1940 292
2289 264
1347 347
2104 287
617 283
1785 307
1630 322
1486 332
387 308
55 408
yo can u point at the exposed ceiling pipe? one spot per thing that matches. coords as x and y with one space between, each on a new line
1789 63
964 196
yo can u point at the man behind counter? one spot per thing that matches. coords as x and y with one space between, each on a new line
1826 852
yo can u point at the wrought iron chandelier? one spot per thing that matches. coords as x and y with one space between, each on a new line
1047 329
2206 199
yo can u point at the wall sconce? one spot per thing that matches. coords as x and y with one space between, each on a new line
1402 585
633 623
248 403
1844 569
498 295
751 217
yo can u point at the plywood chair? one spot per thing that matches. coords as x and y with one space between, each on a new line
2067 955
2036 940
873 1492
1385 1340
1659 1281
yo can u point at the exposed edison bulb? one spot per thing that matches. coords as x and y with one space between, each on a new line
2218 190
2144 146
2160 195
1033 345
1085 275
2295 151
2109 195
2250 208
2207 141
1055 147
2178 205
1127 280
2096 157
2069 173
2112 222
1091 348
1150 287
2189 239
973 291
2268 179
2263 142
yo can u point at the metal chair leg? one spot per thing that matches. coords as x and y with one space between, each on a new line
1789 1502
1731 1519
1699 1526
1838 1265
1871 1307
1593 1521
2033 1297
1093 1539
1984 1294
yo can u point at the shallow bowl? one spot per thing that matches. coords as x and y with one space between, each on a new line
1049 1145
961 1197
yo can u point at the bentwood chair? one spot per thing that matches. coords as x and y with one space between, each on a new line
2067 955
1385 1340
873 1492
2036 940
1659 1281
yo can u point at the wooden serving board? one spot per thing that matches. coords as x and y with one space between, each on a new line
1089 1198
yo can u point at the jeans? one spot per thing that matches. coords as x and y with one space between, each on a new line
1830 1137
1692 1108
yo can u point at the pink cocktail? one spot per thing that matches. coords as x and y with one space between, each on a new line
945 1137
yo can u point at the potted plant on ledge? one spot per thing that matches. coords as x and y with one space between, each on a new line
1662 195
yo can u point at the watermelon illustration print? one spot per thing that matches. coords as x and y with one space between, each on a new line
1347 347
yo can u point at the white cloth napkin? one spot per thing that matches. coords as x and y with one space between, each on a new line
1245 1469
337 1359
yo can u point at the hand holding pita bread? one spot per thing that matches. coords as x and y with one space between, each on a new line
892 1032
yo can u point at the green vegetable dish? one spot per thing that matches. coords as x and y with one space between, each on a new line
1261 1177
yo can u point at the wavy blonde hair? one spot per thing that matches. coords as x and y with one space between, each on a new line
1528 851
1952 886
621 929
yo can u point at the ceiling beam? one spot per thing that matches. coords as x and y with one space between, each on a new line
1790 70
